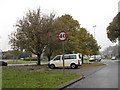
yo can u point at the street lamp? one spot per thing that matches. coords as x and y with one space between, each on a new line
94 30
94 37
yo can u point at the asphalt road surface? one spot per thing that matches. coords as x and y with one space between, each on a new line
106 77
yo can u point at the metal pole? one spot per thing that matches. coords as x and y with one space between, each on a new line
63 55
94 30
94 38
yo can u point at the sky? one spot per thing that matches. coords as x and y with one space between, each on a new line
88 12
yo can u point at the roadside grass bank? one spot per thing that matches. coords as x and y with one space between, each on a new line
92 64
22 61
42 61
117 61
13 77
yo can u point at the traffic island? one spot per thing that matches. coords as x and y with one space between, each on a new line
33 77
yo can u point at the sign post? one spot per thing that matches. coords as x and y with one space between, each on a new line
62 36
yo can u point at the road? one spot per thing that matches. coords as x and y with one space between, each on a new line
106 77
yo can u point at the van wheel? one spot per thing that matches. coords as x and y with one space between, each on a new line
52 66
73 66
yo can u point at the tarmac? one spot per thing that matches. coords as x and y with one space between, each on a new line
84 71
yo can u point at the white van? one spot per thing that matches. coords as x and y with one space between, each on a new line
70 60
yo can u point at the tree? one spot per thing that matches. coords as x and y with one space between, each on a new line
52 43
31 33
79 40
84 43
69 25
113 30
111 51
66 23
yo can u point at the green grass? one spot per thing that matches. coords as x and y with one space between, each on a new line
17 78
31 58
21 61
92 64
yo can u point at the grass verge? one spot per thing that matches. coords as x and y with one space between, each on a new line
17 78
21 61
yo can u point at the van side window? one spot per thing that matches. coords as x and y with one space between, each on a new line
66 57
72 56
57 58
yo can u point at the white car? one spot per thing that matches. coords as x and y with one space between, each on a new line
70 60
113 58
95 58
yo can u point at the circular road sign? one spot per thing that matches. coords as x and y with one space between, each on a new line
62 35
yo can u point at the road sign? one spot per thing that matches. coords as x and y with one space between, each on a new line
62 36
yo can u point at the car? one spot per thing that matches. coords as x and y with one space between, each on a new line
95 58
113 58
2 63
70 60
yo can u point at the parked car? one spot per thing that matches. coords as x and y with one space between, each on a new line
2 63
92 58
113 58
70 60
95 58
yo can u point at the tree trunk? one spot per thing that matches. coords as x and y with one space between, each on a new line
82 58
39 59
49 57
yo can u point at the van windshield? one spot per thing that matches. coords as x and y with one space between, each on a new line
57 58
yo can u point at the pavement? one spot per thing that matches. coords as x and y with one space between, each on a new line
93 75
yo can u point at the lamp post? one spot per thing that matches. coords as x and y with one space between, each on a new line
94 30
94 38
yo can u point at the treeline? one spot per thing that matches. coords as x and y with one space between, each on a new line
38 34
111 51
15 54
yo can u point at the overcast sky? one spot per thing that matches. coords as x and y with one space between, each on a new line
87 12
